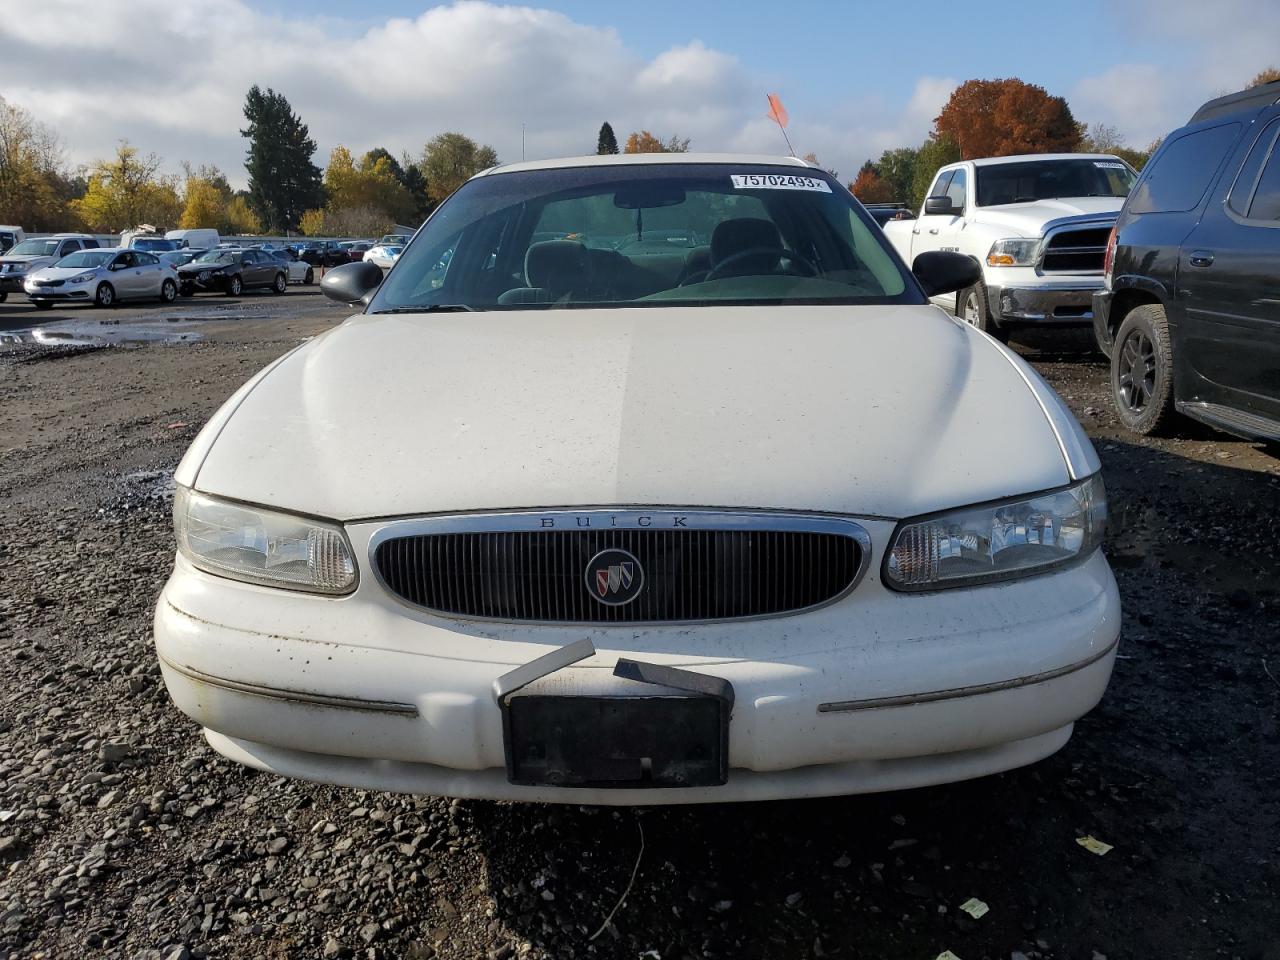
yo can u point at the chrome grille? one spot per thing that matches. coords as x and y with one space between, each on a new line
1075 251
725 567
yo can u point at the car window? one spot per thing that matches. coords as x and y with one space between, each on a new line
124 260
249 256
939 188
956 189
1247 177
647 235
146 259
70 246
1266 195
1179 175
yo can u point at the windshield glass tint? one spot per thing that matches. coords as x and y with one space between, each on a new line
647 235
85 258
218 256
35 248
1050 179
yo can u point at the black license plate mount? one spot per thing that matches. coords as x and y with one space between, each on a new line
617 742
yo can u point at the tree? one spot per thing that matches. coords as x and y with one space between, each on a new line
645 142
127 191
998 118
33 188
205 198
933 153
897 168
450 160
606 143
870 187
1269 75
241 220
283 180
1100 138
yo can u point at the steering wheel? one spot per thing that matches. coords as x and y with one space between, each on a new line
713 273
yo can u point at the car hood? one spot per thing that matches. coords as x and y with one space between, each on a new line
199 267
876 410
1028 219
59 273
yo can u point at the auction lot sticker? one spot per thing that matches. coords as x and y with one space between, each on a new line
778 181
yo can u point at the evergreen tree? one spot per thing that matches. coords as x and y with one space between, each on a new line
283 182
606 142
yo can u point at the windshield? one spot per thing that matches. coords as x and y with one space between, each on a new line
36 248
218 256
647 235
85 258
1032 180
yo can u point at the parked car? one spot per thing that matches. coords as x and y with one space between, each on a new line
36 252
395 240
202 238
232 272
322 253
102 277
1190 317
1037 226
574 526
9 237
299 270
180 257
356 249
383 255
152 244
882 213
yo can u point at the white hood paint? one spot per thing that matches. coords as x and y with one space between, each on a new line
1028 219
889 411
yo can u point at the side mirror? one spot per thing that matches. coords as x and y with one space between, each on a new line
943 272
351 282
939 206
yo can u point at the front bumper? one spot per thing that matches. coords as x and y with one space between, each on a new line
878 691
1066 302
190 283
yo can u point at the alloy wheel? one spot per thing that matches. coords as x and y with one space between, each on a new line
1137 371
970 311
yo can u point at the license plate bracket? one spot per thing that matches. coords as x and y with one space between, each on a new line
616 742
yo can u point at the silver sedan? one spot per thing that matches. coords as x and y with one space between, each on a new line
102 277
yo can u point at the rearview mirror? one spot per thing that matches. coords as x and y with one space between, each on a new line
939 205
944 272
351 282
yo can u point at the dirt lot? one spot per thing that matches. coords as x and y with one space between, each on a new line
123 835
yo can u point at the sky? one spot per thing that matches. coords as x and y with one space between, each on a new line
856 78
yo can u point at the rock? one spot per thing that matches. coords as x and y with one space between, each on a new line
842 861
108 798
277 845
114 753
333 950
178 953
370 932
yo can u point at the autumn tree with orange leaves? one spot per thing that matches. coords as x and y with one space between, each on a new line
999 118
870 187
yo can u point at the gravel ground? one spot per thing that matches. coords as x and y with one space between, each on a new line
123 835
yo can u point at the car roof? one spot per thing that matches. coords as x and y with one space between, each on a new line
636 159
1251 100
1029 157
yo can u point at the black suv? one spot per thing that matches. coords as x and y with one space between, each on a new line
1191 314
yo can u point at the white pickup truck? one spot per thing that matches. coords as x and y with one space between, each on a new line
1038 227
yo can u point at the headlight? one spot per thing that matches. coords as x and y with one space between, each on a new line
998 541
262 546
1013 253
83 278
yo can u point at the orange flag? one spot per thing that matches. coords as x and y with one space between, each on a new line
777 112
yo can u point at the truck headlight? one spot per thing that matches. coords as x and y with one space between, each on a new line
1014 252
262 546
998 541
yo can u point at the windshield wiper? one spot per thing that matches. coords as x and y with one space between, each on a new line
431 308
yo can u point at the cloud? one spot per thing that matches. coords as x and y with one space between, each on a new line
171 78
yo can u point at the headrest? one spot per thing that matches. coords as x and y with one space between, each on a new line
747 233
559 265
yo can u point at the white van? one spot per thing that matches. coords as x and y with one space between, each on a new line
201 239
10 237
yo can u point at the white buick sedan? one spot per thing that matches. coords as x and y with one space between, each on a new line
642 479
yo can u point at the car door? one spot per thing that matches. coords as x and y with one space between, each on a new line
937 231
151 272
125 275
251 268
1229 282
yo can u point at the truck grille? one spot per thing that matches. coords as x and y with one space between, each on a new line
1076 251
688 574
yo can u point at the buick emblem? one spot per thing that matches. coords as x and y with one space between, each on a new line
614 577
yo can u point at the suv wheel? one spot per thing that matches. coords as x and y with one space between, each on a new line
1142 370
973 309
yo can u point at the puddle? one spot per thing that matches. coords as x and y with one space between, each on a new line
69 333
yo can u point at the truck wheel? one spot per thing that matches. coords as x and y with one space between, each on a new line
973 309
1142 370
